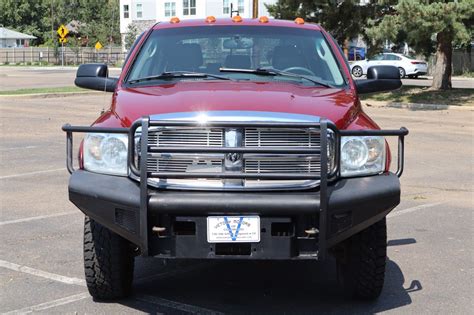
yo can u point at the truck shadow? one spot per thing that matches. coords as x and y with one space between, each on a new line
259 287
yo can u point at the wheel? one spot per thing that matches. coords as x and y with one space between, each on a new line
108 262
357 71
361 262
402 72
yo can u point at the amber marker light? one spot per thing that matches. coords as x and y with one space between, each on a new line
263 19
210 19
174 19
299 21
236 18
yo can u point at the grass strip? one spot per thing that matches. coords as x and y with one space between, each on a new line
423 95
46 90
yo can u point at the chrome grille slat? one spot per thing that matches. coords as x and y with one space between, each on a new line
186 137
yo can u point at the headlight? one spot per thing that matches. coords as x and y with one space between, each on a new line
362 155
106 153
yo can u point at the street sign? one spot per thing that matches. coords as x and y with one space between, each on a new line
98 46
63 40
63 31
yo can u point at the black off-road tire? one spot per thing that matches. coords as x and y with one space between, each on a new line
108 262
361 264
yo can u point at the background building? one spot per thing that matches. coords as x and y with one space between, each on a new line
145 13
10 38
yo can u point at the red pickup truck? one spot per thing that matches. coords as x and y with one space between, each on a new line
234 139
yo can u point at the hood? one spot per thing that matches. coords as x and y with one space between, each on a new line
338 105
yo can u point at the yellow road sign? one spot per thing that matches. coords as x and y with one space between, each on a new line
63 31
63 40
98 46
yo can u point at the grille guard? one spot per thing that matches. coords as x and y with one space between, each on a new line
145 123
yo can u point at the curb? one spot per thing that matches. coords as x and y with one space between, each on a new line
48 95
417 106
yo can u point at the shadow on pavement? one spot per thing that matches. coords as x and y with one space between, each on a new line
261 287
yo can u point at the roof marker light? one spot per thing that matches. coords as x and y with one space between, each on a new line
263 19
174 19
236 18
210 19
299 21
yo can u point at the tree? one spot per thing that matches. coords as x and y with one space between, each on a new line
131 36
430 26
41 18
345 20
25 16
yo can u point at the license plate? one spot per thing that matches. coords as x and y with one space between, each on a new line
233 229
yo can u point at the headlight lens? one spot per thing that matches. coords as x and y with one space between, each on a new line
106 153
362 155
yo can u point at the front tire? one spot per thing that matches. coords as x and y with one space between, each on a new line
402 73
108 262
361 264
357 71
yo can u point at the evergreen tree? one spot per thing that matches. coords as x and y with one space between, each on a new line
345 20
132 33
430 26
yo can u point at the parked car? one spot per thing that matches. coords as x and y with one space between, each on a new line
234 139
407 65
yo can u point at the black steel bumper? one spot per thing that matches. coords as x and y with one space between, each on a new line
173 223
353 204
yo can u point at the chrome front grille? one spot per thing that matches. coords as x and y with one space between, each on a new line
250 163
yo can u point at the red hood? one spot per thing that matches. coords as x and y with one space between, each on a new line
337 105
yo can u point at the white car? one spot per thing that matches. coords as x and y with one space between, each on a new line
407 65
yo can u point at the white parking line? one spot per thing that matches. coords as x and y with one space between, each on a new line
41 273
51 304
178 306
20 148
38 217
32 173
413 209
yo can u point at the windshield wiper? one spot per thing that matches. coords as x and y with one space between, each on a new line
177 74
274 72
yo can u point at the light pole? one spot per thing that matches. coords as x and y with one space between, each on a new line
255 9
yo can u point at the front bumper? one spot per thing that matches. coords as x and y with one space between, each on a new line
352 205
294 224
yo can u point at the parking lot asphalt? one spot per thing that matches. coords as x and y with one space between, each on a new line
430 266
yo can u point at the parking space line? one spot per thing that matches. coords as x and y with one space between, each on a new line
32 173
20 148
413 209
40 217
50 304
41 273
182 307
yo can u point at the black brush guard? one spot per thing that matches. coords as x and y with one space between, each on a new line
142 172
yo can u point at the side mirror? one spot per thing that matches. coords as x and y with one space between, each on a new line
379 79
95 76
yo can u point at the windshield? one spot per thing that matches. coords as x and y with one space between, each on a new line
206 49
